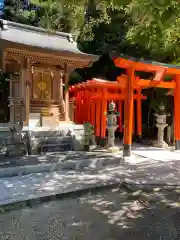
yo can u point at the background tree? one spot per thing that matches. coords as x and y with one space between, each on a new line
140 28
156 27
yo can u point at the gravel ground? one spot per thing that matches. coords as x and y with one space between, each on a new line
106 215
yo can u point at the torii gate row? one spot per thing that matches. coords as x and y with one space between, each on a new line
159 70
91 103
128 83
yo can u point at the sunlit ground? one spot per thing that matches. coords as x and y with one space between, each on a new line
111 214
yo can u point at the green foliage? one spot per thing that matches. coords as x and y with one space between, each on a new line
155 27
142 28
146 28
59 15
14 11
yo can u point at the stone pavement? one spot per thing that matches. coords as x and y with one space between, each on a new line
55 174
139 170
156 153
107 214
77 160
57 161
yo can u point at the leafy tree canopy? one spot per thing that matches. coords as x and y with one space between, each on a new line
143 28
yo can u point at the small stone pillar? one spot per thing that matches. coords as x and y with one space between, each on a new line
161 125
112 126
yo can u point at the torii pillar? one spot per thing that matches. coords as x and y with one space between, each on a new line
177 113
128 114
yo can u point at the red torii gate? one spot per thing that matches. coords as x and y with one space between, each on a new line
92 98
159 70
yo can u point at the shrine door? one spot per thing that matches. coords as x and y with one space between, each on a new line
42 85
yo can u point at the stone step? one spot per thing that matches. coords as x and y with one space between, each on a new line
45 110
56 144
48 133
57 140
51 141
45 106
68 146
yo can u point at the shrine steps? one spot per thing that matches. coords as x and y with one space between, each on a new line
57 144
45 109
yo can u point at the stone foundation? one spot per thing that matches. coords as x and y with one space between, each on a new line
65 137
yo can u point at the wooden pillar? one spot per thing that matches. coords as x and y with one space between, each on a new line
27 104
93 113
75 110
61 98
139 115
25 88
66 97
23 77
120 110
133 122
77 106
98 116
85 106
11 107
177 113
128 114
103 116
81 110
88 108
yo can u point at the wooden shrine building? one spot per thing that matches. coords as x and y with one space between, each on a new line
40 63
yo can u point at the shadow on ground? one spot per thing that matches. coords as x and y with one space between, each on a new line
146 172
56 157
113 214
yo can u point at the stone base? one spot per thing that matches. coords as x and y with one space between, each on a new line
128 159
65 137
177 144
113 149
16 149
127 150
160 145
34 119
89 148
50 122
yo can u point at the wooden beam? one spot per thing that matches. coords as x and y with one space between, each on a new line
149 83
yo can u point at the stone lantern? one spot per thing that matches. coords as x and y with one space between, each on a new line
112 126
161 125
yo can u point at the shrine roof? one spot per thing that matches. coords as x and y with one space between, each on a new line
116 55
59 42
